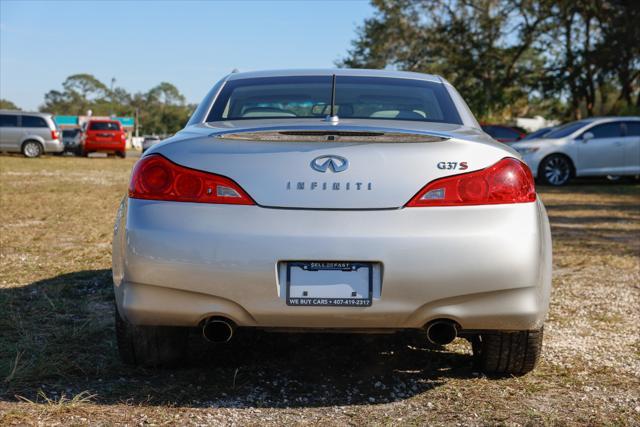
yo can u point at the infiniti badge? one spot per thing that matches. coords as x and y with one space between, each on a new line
335 163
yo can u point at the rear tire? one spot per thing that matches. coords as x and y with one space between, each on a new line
121 154
556 170
32 149
508 353
150 346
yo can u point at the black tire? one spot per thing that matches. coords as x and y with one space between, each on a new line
121 154
508 353
151 346
32 149
556 170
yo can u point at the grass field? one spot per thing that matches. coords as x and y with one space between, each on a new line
58 361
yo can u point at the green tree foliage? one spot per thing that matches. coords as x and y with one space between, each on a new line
513 57
162 110
593 56
5 104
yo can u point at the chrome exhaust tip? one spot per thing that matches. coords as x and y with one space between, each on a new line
218 330
441 332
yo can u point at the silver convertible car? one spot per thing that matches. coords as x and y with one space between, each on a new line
353 201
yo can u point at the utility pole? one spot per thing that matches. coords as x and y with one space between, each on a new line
136 122
113 81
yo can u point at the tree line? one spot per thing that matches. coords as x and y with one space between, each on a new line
564 59
162 110
568 58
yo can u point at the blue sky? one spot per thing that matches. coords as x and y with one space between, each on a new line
190 43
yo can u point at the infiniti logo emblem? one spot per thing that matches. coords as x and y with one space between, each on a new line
324 163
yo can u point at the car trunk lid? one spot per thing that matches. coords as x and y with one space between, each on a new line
333 167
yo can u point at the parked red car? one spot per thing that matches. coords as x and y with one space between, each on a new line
503 133
105 136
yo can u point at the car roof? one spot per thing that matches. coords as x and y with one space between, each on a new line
34 113
338 72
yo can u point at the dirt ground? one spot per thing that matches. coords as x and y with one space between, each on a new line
58 361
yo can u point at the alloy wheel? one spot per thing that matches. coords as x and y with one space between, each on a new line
557 170
31 149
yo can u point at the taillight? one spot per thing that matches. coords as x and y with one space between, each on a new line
156 178
54 134
508 181
123 136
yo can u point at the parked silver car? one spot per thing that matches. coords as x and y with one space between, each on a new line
72 140
598 146
393 212
31 134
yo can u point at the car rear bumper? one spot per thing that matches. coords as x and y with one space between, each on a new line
53 146
105 146
486 267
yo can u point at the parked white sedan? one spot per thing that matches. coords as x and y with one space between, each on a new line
591 147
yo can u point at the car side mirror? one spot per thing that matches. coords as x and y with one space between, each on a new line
587 136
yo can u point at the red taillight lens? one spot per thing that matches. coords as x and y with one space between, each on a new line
54 134
156 178
508 181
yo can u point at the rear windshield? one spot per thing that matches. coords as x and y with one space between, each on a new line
70 132
355 98
104 126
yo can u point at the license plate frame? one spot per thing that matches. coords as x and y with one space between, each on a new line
329 301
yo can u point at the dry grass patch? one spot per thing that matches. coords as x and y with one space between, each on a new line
58 362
